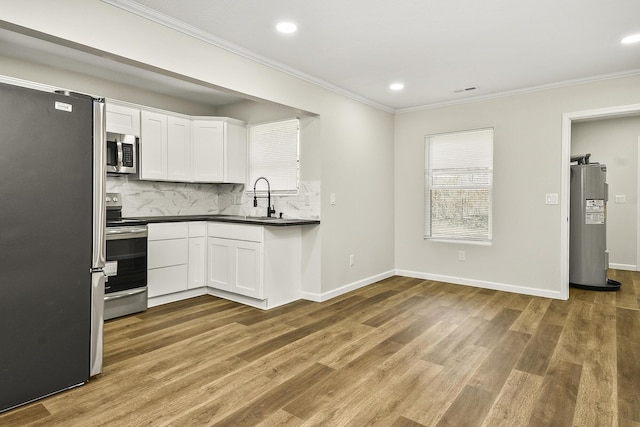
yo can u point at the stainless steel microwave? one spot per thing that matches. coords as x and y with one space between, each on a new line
122 153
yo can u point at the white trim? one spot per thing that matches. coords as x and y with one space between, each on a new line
519 91
638 211
461 241
567 118
481 284
626 267
176 296
347 288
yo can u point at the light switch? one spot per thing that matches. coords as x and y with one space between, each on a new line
551 199
621 198
333 198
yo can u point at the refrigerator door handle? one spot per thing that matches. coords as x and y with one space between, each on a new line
99 183
98 280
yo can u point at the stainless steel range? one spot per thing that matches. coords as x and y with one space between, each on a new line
126 266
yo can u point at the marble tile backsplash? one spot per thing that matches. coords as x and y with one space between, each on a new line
154 198
232 200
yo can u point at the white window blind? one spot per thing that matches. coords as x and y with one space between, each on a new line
274 153
458 185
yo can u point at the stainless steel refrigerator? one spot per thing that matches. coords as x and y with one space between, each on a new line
52 222
589 258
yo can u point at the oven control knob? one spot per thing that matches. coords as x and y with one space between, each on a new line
107 199
115 199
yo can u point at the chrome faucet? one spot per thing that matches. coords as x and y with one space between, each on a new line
270 210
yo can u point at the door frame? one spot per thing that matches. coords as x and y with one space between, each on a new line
638 213
565 179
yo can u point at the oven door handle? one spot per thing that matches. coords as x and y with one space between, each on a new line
122 295
126 233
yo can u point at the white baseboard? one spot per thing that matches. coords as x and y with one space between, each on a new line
626 267
177 296
481 284
347 288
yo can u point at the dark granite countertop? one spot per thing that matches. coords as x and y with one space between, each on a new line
241 219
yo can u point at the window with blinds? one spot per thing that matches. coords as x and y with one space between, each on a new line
458 185
274 154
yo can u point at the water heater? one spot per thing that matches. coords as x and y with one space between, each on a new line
589 258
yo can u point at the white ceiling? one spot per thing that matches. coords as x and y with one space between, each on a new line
435 47
359 47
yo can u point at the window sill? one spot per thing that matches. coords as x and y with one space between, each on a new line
460 241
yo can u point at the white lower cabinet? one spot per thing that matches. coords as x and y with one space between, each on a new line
167 258
235 266
197 255
253 264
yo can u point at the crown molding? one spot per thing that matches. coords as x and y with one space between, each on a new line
520 91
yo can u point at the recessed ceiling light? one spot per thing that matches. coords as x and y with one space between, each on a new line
396 86
287 27
634 38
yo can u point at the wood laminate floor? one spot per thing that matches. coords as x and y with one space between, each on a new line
401 352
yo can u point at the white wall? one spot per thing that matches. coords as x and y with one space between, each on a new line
354 142
525 254
614 142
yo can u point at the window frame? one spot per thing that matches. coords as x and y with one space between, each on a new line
486 169
251 178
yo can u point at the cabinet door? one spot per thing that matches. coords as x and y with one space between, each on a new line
153 146
122 119
208 150
220 256
235 167
178 149
197 262
248 269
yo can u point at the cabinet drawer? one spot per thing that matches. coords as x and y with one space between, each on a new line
167 280
168 230
165 253
197 229
250 233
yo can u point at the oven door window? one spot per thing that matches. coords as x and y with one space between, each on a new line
131 258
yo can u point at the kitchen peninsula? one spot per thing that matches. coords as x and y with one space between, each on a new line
252 260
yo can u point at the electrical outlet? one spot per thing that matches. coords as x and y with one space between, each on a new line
352 260
462 256
551 199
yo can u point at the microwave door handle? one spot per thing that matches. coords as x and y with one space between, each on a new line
119 143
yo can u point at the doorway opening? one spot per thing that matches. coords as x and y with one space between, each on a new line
567 119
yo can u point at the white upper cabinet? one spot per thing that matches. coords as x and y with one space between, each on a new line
121 119
178 149
235 167
192 149
153 146
165 147
219 150
208 150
